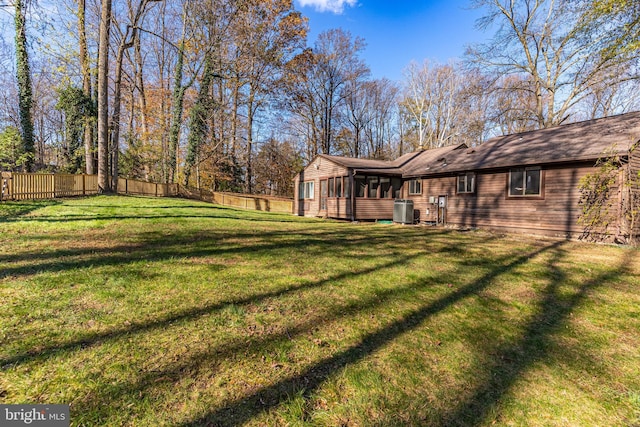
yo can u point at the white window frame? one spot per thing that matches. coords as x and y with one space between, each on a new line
469 179
307 189
415 187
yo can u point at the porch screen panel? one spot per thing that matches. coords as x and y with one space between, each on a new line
373 182
385 187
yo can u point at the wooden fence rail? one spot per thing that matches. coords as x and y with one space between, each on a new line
29 186
242 201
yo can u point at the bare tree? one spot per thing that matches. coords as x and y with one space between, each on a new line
316 82
548 41
513 105
358 113
128 39
436 97
379 131
268 34
104 186
86 86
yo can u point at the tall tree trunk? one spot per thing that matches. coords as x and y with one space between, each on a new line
86 87
198 120
25 94
115 117
103 98
126 43
176 115
234 118
142 97
177 105
165 85
249 172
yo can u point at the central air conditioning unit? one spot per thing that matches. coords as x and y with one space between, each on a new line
403 211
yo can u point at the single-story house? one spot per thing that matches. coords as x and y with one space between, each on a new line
526 182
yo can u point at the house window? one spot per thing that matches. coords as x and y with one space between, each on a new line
332 192
361 185
347 187
415 186
306 190
524 182
467 183
339 187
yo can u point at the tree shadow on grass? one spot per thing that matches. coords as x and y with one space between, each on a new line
102 402
204 211
15 211
240 411
119 217
157 246
511 361
92 339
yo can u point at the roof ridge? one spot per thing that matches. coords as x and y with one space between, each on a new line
564 125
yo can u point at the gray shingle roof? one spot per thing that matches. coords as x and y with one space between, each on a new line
395 167
582 141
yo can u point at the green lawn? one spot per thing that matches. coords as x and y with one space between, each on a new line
141 311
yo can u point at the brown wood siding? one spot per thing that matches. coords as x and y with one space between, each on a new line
632 219
339 208
317 170
372 209
555 213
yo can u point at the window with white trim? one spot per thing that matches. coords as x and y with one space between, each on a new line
415 186
306 190
467 183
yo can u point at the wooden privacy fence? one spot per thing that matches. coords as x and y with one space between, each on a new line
142 188
242 201
29 186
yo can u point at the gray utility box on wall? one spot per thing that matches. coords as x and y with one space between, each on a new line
403 211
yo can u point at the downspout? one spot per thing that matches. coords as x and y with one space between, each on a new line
353 194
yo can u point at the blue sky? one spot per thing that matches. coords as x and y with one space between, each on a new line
398 31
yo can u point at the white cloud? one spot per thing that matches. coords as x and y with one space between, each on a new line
335 6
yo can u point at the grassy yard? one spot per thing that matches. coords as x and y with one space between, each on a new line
141 311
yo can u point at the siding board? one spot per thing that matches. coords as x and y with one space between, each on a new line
556 211
373 209
321 168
